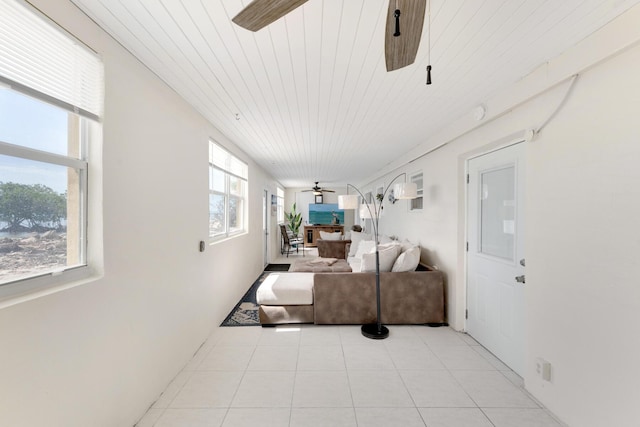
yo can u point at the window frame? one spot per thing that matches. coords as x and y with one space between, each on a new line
280 205
79 92
415 177
63 275
227 194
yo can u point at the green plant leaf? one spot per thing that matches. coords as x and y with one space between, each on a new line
294 220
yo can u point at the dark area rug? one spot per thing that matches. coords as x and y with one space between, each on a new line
277 267
245 313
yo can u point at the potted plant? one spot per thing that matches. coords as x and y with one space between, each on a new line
294 220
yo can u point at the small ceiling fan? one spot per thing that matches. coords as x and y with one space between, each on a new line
405 19
317 190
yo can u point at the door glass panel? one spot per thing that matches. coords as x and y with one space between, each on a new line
497 225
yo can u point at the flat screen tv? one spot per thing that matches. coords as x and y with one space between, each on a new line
323 213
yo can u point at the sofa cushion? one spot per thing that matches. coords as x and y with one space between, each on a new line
365 246
388 255
356 238
317 267
383 240
330 236
407 260
286 289
355 264
406 245
391 243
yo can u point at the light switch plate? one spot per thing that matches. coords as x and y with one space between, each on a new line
543 369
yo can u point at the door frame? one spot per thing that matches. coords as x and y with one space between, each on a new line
266 209
513 139
509 348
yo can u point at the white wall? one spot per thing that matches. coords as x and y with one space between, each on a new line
101 353
582 238
583 244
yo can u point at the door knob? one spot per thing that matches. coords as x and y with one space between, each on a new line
522 262
520 279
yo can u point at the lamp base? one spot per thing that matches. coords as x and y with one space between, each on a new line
371 331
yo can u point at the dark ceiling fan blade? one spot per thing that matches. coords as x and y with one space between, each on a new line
318 190
260 13
401 50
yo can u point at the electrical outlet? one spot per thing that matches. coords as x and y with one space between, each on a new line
543 369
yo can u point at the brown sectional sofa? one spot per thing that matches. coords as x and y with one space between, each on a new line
342 297
284 314
415 297
333 248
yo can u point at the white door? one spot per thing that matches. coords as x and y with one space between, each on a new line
495 258
265 227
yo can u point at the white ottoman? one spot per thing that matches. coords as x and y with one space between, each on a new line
286 298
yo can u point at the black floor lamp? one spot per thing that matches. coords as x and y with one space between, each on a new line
404 190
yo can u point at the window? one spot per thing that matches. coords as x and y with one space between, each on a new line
280 202
366 223
50 97
416 204
227 193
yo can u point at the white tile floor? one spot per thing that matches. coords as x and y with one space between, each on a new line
332 376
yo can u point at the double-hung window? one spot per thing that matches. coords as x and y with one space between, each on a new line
417 203
280 203
228 183
50 103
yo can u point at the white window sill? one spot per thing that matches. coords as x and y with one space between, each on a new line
220 239
29 289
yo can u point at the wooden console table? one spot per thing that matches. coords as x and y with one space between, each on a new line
312 232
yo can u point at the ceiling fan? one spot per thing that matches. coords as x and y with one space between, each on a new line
317 190
405 19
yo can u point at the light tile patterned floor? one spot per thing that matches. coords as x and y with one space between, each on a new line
331 376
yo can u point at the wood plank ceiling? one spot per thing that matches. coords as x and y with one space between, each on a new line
308 97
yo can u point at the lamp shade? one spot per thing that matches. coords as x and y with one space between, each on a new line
348 201
405 190
365 213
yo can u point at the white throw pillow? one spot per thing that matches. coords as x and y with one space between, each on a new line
407 260
385 239
390 244
406 245
330 236
387 254
365 246
356 238
355 264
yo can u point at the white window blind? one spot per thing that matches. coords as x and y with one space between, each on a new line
39 58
